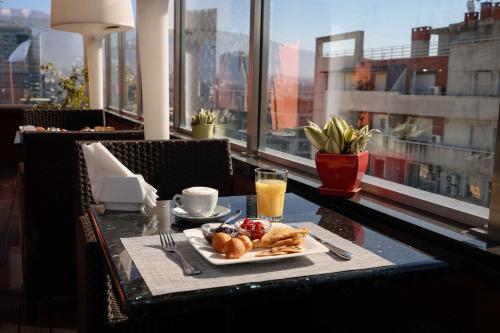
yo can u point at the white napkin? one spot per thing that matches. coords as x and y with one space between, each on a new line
27 128
101 163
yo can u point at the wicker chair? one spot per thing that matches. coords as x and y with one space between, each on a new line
70 119
169 166
98 309
49 217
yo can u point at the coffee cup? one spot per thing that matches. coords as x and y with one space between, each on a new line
198 201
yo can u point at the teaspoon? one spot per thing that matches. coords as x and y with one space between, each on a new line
230 218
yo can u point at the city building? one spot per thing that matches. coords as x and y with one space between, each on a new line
446 92
18 79
200 56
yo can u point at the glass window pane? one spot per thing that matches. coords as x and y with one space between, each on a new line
429 88
104 78
171 24
115 71
216 63
130 70
29 85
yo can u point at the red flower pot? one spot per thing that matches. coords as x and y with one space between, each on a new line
341 174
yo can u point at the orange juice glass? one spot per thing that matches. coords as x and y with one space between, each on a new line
270 185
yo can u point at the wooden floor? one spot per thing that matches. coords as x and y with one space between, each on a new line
51 316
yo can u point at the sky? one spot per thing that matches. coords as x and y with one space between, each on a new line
385 22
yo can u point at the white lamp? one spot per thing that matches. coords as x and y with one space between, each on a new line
94 19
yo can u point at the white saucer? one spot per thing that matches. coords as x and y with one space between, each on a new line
219 211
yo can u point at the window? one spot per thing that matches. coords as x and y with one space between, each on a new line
114 68
32 26
428 88
380 81
130 49
423 83
482 83
171 23
369 64
498 84
216 40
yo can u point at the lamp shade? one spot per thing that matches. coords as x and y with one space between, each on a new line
92 17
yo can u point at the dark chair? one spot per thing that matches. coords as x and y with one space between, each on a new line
70 119
173 165
169 166
98 307
48 222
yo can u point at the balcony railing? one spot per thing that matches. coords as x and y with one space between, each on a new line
405 51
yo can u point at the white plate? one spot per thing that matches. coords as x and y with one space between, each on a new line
195 237
219 211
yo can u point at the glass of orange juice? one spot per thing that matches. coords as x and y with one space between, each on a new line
270 185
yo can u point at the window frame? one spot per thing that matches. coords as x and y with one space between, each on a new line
122 91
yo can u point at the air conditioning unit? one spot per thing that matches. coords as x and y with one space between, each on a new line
451 190
452 179
436 139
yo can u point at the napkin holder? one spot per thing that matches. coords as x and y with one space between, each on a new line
122 193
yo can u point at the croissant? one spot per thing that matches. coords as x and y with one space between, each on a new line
219 241
234 248
246 241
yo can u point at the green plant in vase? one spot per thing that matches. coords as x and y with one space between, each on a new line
225 123
410 129
202 124
342 159
71 89
339 137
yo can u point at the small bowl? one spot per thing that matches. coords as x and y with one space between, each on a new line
254 234
208 230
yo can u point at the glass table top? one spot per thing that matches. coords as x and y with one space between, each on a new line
113 225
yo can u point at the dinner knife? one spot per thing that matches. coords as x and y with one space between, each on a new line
342 254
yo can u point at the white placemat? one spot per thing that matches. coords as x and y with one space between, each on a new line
163 274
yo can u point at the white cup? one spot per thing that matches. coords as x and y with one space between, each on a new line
197 201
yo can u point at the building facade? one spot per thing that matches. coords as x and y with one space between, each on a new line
24 75
436 105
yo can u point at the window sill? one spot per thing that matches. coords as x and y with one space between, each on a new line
446 207
130 118
453 209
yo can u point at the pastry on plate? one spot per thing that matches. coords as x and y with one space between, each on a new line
281 235
280 232
246 241
292 241
279 250
234 248
219 241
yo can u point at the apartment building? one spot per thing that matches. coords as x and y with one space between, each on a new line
437 110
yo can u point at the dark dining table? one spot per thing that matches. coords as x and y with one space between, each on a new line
136 299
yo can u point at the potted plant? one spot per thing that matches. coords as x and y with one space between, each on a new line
224 125
202 124
341 159
410 129
70 93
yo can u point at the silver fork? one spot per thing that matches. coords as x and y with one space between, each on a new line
168 245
